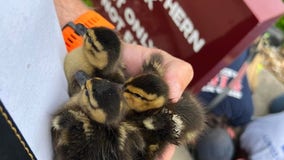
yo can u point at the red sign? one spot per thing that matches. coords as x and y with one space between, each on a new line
208 34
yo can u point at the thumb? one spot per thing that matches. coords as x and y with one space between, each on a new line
178 75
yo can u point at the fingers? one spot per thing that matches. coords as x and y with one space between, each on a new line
168 153
178 73
133 57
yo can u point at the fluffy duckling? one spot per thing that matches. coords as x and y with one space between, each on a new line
147 91
100 56
181 124
89 125
161 121
193 117
178 123
154 65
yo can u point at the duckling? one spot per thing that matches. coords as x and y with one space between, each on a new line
154 65
178 123
161 121
193 117
147 91
100 56
89 126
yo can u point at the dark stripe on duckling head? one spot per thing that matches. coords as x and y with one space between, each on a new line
145 92
91 38
151 84
107 97
110 42
88 93
136 95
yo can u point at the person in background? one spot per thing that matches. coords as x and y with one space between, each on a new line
263 139
277 104
235 110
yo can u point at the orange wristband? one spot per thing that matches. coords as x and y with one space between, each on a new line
73 31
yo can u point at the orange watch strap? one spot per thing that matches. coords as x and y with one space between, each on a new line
93 19
89 19
71 38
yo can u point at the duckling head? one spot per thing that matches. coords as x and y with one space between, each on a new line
101 47
145 92
100 99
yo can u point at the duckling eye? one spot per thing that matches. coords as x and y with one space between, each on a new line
90 40
87 93
135 94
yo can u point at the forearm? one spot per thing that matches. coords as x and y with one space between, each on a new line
69 10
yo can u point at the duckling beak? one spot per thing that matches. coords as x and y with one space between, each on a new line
81 77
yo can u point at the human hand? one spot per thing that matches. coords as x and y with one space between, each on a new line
168 153
178 74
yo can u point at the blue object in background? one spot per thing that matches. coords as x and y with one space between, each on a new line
238 105
277 104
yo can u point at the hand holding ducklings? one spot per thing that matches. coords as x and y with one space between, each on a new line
176 73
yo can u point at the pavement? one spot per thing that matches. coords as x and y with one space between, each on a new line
182 153
269 88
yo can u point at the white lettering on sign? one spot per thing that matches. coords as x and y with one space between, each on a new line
129 18
128 37
184 24
119 3
113 14
150 3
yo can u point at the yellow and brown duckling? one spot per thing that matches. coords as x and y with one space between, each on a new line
89 125
161 122
178 123
147 90
100 56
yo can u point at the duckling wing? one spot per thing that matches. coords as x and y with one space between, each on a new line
65 131
192 116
